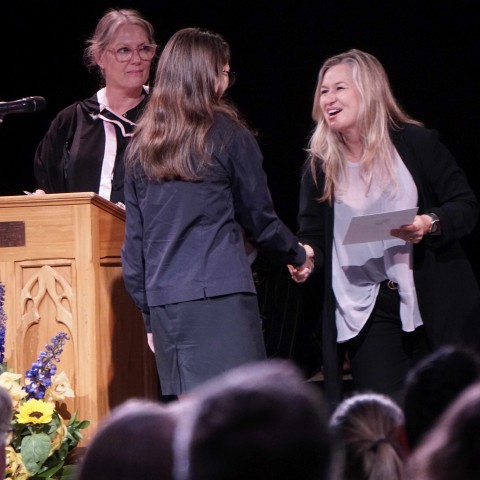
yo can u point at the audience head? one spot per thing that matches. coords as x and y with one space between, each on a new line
5 425
116 32
370 429
135 442
432 386
259 421
451 449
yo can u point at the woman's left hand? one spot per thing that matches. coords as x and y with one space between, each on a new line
415 231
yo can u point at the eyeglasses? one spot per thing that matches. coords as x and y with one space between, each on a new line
125 54
232 76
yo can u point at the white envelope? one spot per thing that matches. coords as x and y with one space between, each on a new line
377 226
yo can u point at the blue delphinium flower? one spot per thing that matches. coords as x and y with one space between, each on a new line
44 368
3 323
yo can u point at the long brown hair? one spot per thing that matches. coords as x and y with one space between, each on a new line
170 141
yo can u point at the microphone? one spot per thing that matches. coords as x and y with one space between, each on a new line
28 104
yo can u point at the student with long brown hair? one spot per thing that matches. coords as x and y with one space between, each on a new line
194 183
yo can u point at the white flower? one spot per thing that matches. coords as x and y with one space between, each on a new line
59 389
10 381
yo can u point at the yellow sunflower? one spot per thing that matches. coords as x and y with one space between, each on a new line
35 411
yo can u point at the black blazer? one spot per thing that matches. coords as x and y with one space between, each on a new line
447 290
183 240
70 156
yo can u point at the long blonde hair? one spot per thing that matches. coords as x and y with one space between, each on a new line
170 141
379 112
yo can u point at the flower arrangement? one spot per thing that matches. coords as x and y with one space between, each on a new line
41 438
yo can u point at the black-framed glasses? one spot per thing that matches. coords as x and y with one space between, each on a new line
232 76
125 54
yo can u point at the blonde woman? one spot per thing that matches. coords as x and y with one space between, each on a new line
84 148
386 301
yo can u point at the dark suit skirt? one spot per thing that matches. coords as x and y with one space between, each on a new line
197 340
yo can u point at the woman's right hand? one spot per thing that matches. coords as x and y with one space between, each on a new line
150 342
36 192
301 274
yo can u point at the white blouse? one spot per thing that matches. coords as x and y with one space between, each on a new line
358 269
110 152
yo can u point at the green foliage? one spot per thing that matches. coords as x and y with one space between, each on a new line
35 449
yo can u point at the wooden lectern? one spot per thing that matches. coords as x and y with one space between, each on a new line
61 266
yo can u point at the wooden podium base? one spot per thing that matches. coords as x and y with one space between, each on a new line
61 266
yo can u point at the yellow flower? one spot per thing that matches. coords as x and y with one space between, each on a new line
10 381
59 436
59 389
15 469
35 411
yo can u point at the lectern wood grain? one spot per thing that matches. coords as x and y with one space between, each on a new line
68 277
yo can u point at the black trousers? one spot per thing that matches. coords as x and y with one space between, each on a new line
382 353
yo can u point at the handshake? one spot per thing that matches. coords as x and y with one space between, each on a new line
301 273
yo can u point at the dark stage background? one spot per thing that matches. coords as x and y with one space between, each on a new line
429 49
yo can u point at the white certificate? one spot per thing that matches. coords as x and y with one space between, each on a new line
377 226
